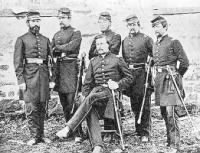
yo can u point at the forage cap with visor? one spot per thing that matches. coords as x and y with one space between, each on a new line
33 15
132 17
158 20
105 16
64 11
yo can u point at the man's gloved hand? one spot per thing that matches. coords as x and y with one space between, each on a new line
22 86
112 84
51 85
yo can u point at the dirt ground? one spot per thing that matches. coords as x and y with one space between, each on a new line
14 134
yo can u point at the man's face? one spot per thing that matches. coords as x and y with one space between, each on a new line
34 25
64 20
104 24
133 26
102 45
159 30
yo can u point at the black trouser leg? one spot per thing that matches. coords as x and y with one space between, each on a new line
144 128
94 128
42 118
171 121
67 100
33 116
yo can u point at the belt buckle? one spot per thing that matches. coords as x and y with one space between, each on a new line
131 66
39 61
63 54
36 60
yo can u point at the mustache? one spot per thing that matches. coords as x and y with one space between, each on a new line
35 29
62 24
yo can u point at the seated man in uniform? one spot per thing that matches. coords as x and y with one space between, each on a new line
106 72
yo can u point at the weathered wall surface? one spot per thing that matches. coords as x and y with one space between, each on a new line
85 15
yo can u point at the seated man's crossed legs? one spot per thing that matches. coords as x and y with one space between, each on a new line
98 95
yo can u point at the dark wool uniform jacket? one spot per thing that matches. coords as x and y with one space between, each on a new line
34 75
67 41
114 41
168 51
135 49
101 69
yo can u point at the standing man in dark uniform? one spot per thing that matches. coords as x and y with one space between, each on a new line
66 45
136 49
168 52
106 72
113 38
31 67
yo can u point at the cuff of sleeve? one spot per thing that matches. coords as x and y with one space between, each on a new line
120 86
20 81
182 70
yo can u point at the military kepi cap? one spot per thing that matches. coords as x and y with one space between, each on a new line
158 19
105 16
64 11
131 17
33 15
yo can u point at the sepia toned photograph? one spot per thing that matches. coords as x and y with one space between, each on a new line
99 76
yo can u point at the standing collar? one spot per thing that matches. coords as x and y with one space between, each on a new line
106 54
161 38
106 32
133 34
65 28
29 31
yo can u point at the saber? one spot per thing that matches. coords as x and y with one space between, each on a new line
145 91
79 81
118 122
182 101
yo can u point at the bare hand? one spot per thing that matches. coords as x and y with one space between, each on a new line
22 86
51 85
112 85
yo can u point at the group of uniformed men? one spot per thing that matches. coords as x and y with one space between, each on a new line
105 72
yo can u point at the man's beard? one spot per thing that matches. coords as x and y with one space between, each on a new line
35 29
133 31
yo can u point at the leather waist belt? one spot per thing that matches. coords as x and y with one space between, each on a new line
136 66
65 58
164 68
36 61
